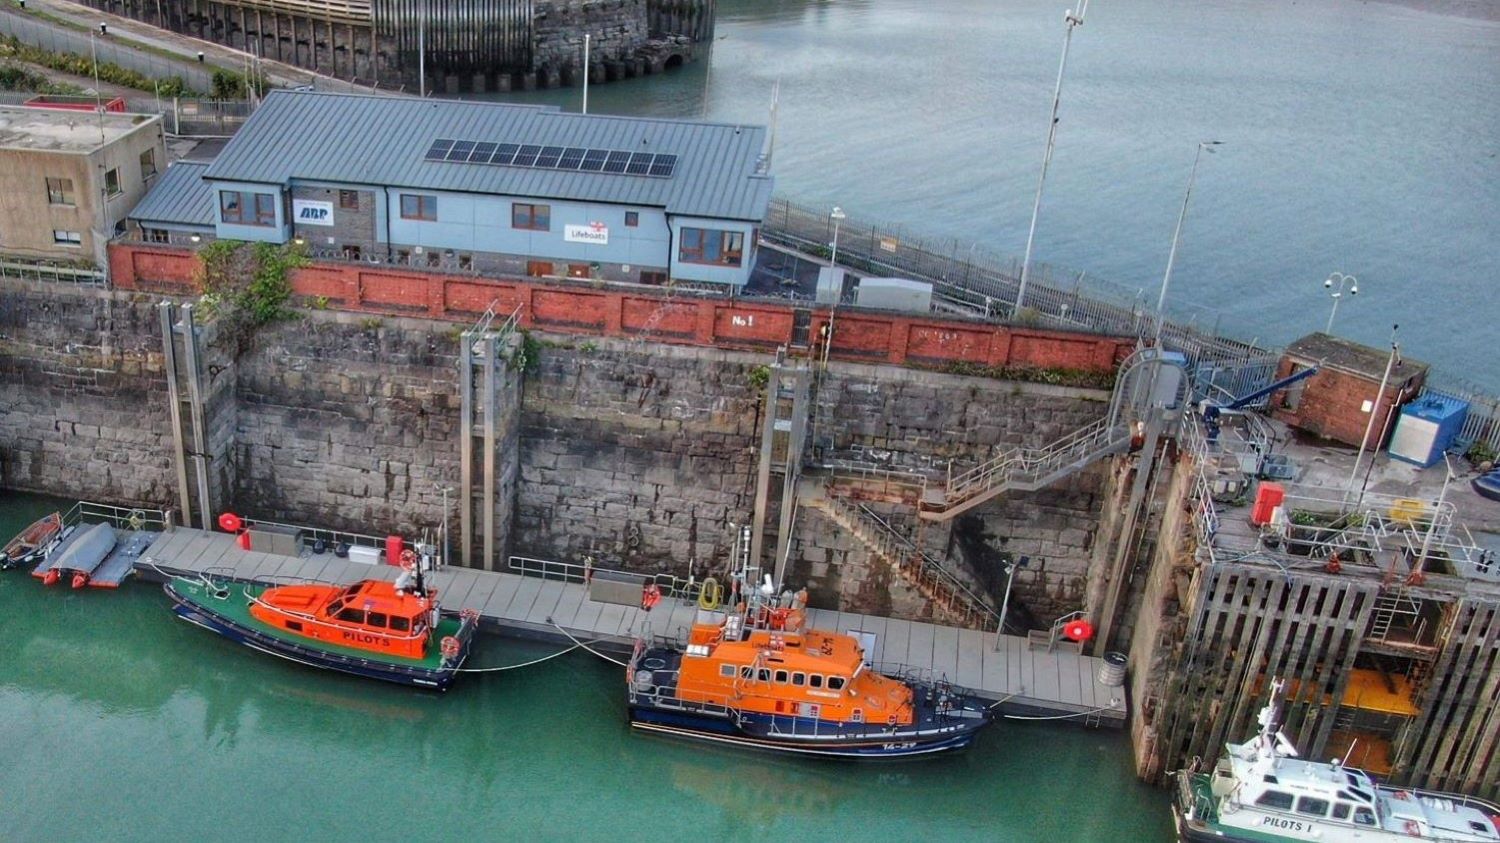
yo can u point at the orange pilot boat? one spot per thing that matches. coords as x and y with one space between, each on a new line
373 628
756 677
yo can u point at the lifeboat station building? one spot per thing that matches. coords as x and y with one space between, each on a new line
482 187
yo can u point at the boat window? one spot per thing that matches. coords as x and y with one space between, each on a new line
799 678
400 624
1312 806
1269 779
1275 799
294 626
858 716
764 674
1360 795
376 619
1341 810
1364 816
746 672
1480 828
835 683
814 681
352 615
781 676
335 606
726 670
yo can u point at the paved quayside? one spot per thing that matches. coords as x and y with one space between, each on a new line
1030 682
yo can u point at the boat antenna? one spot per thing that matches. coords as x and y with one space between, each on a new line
1348 752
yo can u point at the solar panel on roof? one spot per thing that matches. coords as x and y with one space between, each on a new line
571 158
640 164
460 151
439 149
526 156
593 160
617 162
664 165
481 153
548 157
504 153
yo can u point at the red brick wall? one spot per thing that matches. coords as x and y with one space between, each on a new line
1331 403
872 337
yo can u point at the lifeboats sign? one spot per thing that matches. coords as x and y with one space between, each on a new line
595 232
309 212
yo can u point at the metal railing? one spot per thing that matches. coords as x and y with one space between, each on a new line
1028 468
671 585
923 570
119 517
52 272
332 537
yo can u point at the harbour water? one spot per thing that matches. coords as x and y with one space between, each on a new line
1360 137
123 723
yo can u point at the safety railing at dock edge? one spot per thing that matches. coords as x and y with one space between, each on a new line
670 585
119 517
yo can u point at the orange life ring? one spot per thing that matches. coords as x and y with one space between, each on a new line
230 523
891 721
450 647
1079 630
650 596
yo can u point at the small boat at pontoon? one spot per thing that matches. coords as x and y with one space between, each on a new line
395 632
756 677
1261 792
32 543
79 556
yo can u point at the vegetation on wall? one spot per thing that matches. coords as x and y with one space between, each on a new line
1054 375
246 286
15 77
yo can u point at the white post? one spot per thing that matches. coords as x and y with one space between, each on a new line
1010 577
1432 525
1166 280
585 73
1374 410
1036 207
422 51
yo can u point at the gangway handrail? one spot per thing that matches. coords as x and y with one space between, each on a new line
977 603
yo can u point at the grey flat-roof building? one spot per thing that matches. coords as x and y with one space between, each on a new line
68 178
484 186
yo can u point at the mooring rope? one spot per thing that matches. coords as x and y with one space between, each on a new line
585 646
522 664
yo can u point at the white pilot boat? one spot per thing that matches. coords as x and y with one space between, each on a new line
1261 791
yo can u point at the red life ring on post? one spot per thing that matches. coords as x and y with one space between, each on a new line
230 523
409 559
650 596
1079 630
450 647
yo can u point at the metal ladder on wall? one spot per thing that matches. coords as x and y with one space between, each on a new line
1388 605
949 595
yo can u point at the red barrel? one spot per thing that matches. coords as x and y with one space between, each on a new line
1268 496
393 547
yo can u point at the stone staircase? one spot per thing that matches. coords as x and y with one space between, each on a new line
1024 469
952 600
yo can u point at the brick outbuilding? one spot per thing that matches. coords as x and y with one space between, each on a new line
1336 402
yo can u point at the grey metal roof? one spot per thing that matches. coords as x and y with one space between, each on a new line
180 197
378 140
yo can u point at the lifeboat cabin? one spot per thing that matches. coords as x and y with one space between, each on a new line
786 670
370 615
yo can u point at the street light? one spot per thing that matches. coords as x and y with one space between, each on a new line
837 215
1166 280
1010 577
1073 21
1338 293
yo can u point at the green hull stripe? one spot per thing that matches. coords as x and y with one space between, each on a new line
237 609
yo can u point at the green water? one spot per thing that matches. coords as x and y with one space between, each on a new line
119 722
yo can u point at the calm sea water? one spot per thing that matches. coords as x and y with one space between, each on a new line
121 722
1360 137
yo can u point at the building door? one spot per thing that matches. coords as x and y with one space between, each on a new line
538 269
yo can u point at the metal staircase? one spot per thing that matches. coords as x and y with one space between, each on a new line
1025 469
1051 638
950 597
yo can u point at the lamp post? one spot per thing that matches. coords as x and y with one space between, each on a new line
585 73
1073 21
837 215
1166 279
445 490
1338 293
1010 578
422 51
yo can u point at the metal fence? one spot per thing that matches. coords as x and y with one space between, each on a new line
61 39
53 272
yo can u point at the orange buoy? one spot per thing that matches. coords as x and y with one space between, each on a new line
650 596
80 579
1079 630
244 541
51 577
450 646
230 523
